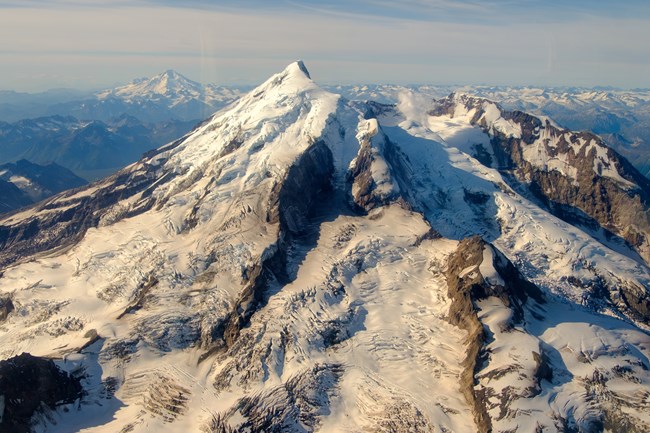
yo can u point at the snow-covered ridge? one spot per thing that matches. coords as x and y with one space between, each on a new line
477 110
546 152
574 171
621 117
546 146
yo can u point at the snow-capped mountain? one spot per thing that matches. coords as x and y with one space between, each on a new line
166 96
303 263
172 87
170 84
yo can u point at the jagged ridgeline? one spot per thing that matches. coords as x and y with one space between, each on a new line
303 263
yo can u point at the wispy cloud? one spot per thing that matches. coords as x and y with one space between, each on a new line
413 9
485 12
361 41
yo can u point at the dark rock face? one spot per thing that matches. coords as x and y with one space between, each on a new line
365 194
590 198
310 176
291 204
467 288
473 286
44 181
637 300
362 175
6 307
11 197
29 384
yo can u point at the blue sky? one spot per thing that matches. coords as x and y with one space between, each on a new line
100 43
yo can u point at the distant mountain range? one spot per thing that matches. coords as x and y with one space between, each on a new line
24 183
95 134
166 96
99 133
89 148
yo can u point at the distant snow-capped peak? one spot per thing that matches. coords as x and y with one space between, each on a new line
169 84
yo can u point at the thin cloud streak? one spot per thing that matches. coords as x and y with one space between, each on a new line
230 45
485 11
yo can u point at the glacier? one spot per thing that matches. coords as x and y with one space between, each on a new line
300 262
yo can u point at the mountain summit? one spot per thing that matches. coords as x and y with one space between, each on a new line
169 84
164 96
300 263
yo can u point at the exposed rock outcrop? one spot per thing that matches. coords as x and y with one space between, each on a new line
574 174
637 300
292 201
29 384
467 284
6 307
380 172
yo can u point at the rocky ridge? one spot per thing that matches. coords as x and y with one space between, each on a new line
575 174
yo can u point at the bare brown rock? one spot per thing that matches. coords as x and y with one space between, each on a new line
465 288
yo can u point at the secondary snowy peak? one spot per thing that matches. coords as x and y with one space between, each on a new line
168 84
167 94
169 81
575 174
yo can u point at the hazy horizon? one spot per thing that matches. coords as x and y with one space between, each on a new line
98 44
248 86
